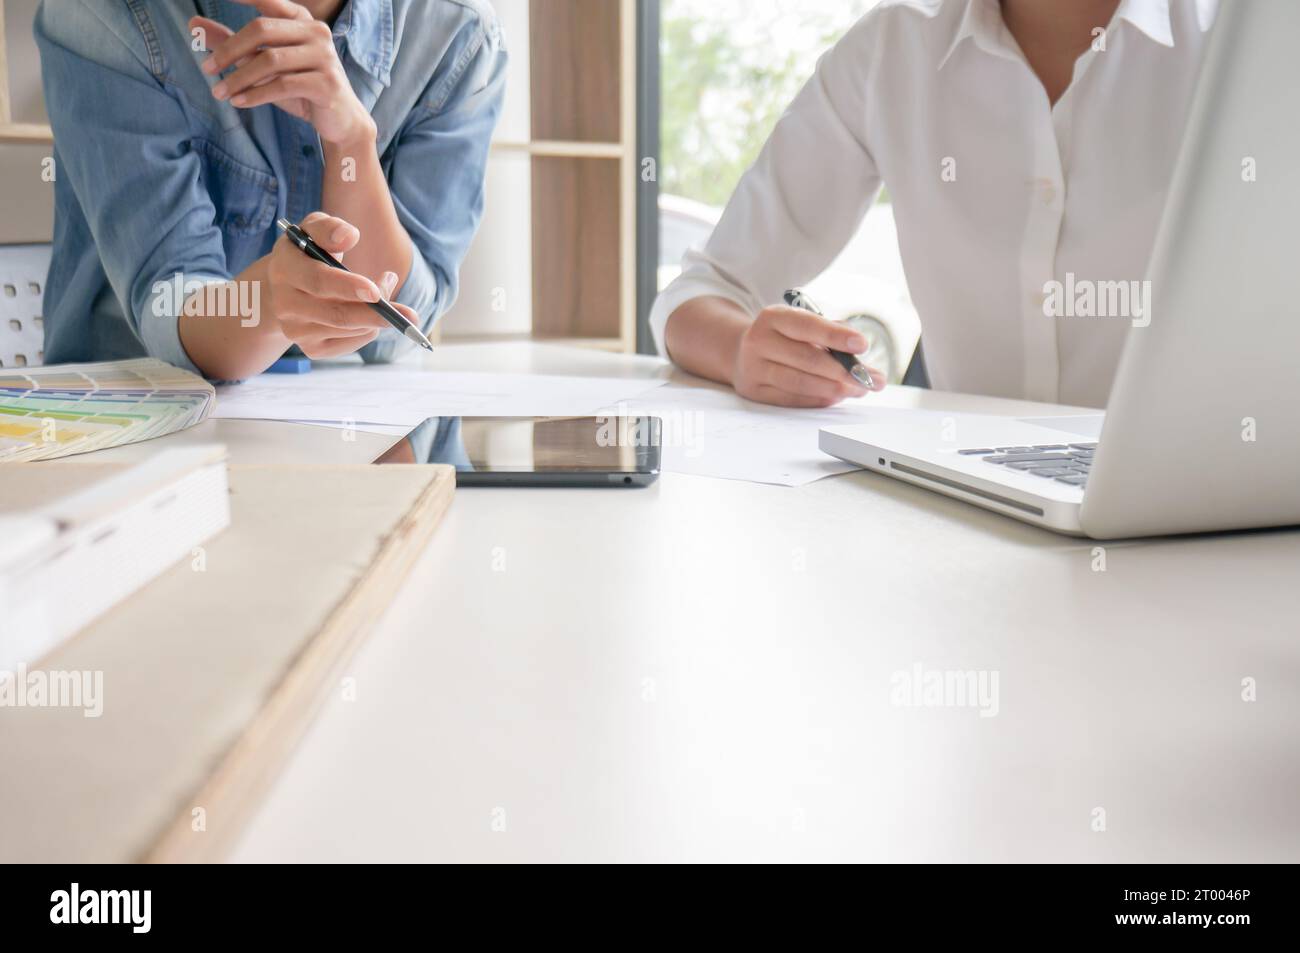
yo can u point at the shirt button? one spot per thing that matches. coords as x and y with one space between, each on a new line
1048 190
308 151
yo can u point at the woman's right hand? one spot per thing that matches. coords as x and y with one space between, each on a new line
321 309
782 359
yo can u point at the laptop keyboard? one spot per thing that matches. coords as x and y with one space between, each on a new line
1065 463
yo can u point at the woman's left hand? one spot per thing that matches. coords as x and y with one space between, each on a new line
286 57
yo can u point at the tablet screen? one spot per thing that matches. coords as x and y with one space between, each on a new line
533 445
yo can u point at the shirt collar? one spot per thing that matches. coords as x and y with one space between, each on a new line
1152 17
366 26
982 22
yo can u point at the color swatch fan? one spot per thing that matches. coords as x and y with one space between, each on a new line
48 412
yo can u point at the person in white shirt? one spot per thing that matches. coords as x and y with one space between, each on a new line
1023 142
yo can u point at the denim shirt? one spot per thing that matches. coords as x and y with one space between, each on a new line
156 178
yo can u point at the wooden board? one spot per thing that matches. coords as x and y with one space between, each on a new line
210 678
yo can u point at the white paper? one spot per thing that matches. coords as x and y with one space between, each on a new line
396 395
714 433
708 431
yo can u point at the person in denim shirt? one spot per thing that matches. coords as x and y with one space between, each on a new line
184 128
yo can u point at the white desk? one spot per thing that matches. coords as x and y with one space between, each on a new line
702 670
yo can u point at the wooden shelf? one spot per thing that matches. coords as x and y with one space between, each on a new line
615 345
577 247
555 148
582 146
576 90
598 344
25 133
580 149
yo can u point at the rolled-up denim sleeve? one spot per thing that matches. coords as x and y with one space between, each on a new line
123 145
437 170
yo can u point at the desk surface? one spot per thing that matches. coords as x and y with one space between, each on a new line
709 670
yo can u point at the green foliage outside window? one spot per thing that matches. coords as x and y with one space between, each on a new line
730 68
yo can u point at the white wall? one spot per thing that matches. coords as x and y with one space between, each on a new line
497 277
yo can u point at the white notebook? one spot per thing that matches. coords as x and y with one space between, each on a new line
68 560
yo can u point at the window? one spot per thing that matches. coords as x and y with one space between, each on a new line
728 70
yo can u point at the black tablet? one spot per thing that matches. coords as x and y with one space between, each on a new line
537 451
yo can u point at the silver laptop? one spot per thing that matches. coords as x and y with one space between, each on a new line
1202 430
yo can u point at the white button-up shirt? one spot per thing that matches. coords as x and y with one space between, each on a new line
996 192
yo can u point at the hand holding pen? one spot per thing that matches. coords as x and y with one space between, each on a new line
323 308
409 327
857 370
784 357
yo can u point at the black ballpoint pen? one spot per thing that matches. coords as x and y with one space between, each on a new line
857 370
382 307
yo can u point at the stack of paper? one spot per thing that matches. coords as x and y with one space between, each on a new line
48 412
